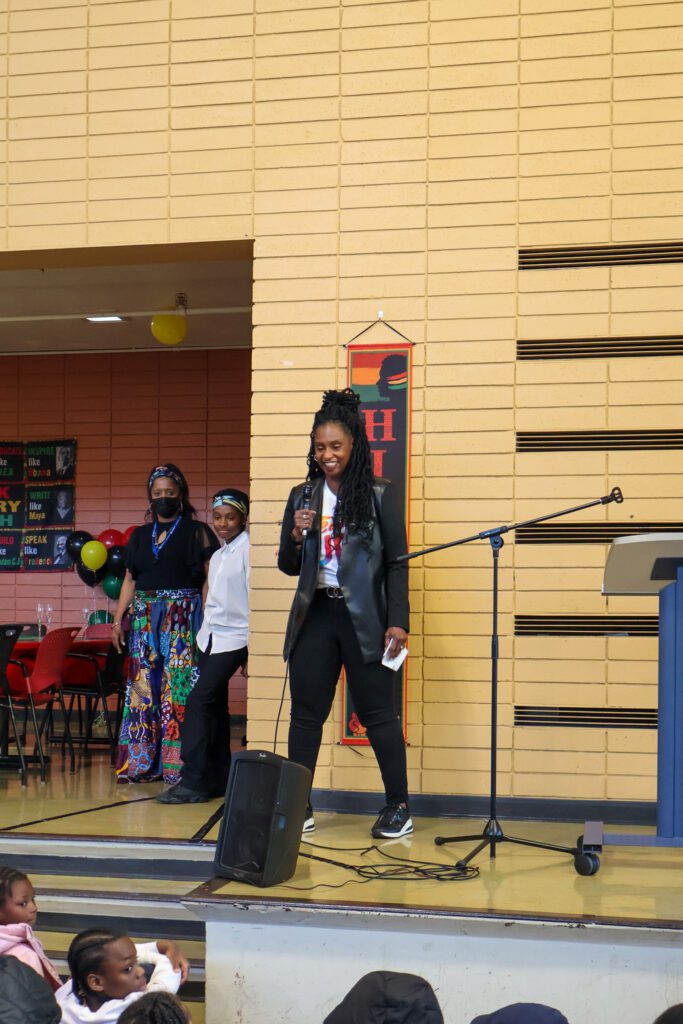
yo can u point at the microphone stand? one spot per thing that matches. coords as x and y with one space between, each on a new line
493 833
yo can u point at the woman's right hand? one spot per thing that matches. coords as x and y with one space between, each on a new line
117 637
304 519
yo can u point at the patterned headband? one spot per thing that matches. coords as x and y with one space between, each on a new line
165 471
234 502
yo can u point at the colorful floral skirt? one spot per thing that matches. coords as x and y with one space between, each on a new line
162 671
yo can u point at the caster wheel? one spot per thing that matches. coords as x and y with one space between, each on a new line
579 842
586 864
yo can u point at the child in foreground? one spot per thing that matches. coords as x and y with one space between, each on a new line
107 975
18 913
156 1008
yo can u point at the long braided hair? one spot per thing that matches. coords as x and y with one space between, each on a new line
155 1008
8 877
86 954
354 509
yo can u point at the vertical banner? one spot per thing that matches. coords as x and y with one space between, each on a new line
381 375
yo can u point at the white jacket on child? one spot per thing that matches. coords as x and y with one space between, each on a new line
163 978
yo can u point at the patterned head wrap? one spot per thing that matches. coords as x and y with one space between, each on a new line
231 496
170 471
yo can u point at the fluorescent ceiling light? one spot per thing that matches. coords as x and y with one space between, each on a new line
113 318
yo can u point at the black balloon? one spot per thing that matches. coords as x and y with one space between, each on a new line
74 543
89 577
116 560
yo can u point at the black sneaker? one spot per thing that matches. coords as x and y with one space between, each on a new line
394 820
181 795
309 821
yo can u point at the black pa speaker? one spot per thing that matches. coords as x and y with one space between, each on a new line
265 809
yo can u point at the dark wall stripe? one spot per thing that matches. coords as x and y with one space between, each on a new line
585 718
600 348
543 258
588 533
598 440
586 625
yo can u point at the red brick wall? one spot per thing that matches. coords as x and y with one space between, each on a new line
128 411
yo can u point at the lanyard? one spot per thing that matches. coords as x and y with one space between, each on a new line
157 548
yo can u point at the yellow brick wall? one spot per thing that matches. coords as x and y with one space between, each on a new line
394 155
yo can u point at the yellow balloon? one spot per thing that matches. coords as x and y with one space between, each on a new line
93 555
169 328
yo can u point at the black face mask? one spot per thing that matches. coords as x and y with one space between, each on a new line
165 507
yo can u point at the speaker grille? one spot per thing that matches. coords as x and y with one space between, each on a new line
598 440
248 815
588 533
586 625
585 718
633 253
601 348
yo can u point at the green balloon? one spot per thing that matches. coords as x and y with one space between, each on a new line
111 585
95 618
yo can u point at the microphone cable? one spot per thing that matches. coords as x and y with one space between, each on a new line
284 682
400 869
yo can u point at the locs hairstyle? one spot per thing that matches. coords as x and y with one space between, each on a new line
354 509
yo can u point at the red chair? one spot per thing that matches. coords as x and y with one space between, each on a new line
91 679
9 634
41 686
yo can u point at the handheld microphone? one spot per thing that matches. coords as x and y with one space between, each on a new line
308 490
614 495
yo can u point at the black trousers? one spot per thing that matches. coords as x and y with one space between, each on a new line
205 733
326 643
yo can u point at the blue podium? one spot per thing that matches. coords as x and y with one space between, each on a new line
652 564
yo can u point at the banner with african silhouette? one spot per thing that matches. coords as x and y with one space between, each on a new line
381 375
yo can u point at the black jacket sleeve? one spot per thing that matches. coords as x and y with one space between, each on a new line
289 553
394 543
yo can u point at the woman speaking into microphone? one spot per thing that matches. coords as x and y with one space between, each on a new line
341 533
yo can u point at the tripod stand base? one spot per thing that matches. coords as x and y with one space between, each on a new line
493 835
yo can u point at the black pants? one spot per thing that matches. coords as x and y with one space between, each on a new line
328 642
205 733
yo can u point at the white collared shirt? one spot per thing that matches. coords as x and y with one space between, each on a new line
226 613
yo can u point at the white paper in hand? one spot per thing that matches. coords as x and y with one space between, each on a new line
394 663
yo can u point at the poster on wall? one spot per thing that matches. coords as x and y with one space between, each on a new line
381 374
37 504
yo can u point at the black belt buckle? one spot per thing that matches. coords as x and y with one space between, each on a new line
335 593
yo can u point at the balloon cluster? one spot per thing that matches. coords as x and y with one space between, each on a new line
101 560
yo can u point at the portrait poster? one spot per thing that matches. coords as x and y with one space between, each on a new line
381 375
37 505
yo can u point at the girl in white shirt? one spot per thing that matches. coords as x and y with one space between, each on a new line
107 975
222 640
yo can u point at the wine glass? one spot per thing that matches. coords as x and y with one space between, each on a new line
86 616
39 619
48 615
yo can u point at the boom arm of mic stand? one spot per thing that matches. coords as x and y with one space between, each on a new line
614 495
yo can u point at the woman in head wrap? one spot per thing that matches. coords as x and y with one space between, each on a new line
166 565
223 641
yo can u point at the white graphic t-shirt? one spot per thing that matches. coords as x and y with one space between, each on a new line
330 547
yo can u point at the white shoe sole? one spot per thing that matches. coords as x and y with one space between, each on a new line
309 826
406 830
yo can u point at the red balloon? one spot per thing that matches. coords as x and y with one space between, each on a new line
128 534
110 537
